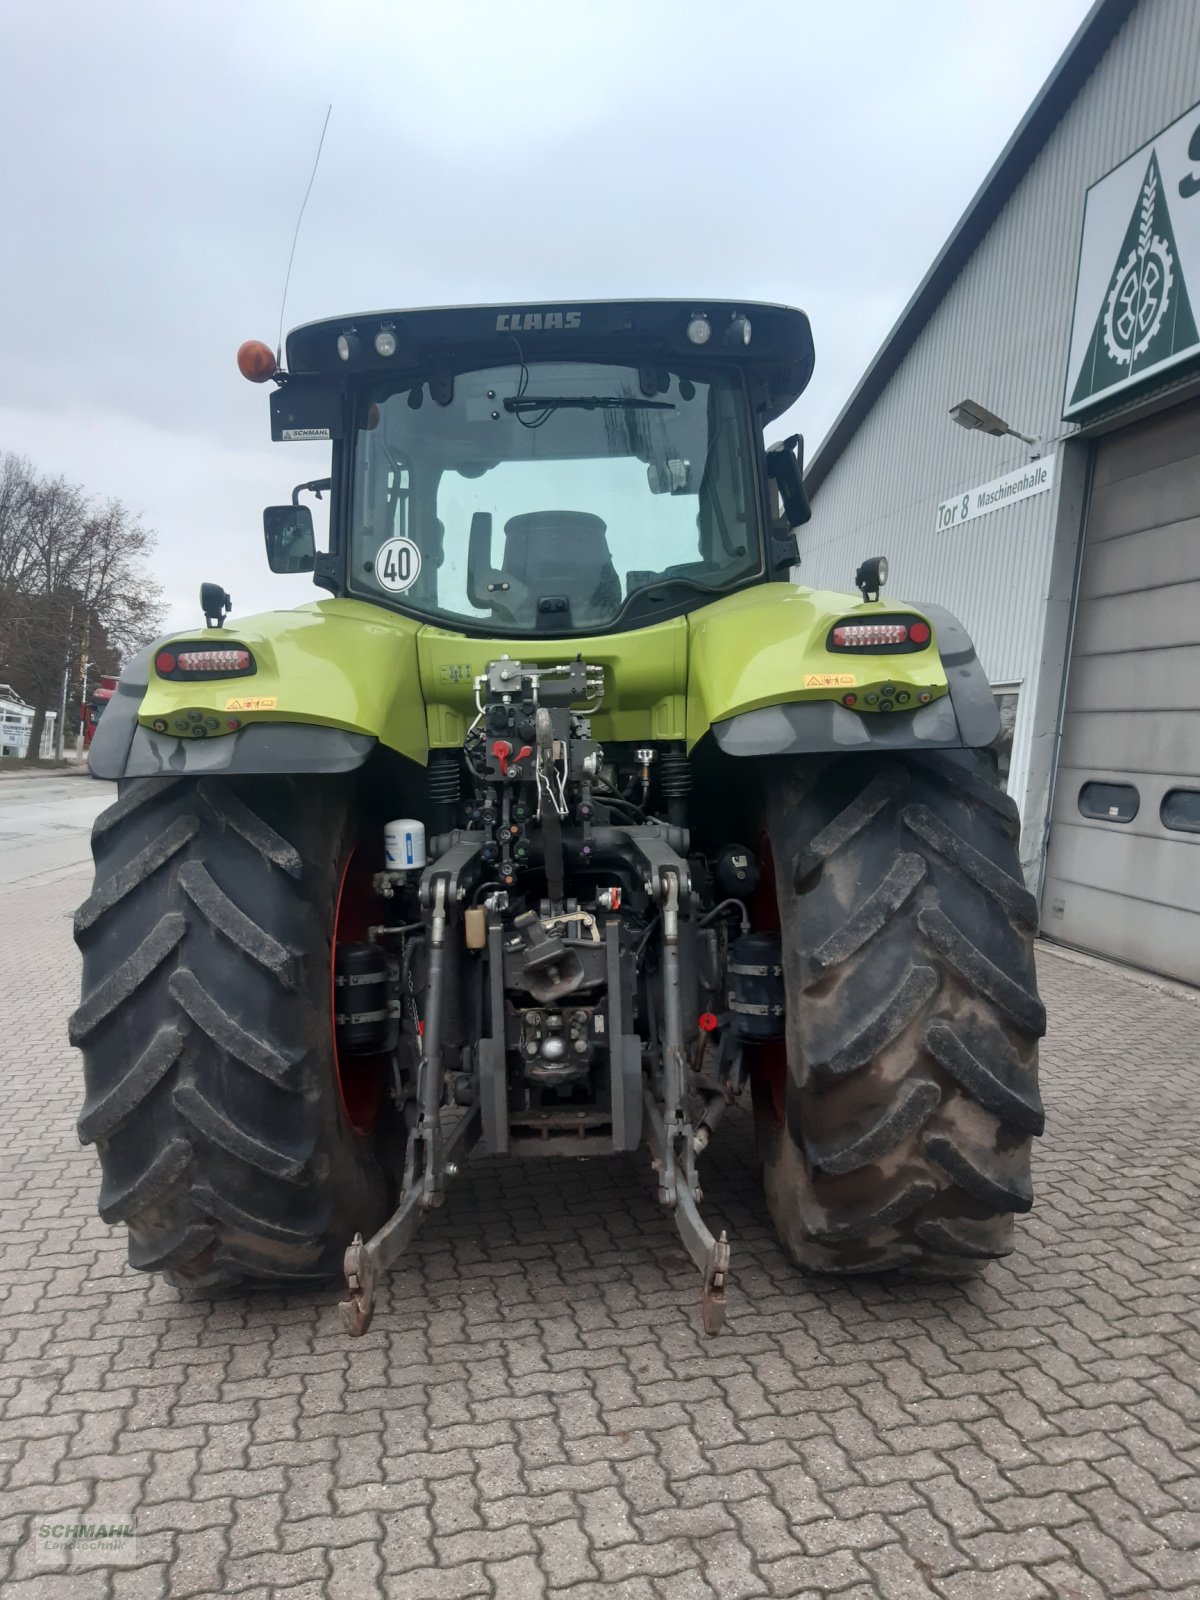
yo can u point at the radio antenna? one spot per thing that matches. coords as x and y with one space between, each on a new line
303 204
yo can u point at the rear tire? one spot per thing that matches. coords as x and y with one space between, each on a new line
912 1015
206 1030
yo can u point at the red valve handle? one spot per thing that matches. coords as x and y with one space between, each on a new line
501 749
503 752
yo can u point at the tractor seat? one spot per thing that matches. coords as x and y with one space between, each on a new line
563 553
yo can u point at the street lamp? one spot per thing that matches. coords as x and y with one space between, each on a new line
971 415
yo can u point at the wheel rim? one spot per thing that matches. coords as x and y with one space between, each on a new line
768 1058
361 1080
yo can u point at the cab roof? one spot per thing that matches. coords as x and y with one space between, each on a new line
778 353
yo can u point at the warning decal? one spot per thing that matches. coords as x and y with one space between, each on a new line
253 702
829 680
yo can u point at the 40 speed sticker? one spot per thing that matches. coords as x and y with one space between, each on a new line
398 565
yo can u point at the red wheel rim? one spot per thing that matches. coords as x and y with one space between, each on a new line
361 1080
768 1058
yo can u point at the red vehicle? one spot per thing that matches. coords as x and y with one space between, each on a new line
93 707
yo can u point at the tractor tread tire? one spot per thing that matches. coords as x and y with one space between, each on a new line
912 1014
205 1029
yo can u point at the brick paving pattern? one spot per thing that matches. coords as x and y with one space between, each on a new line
535 1412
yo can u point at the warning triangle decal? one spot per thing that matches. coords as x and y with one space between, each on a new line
1146 316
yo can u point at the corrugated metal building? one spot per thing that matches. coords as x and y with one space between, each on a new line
1065 305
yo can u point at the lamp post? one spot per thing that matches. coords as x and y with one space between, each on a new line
60 725
971 415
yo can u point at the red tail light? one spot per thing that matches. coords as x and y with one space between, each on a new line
880 636
192 661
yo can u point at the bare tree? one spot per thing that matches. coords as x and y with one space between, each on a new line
71 571
112 576
18 491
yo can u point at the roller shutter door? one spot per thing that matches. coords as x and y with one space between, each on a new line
1123 865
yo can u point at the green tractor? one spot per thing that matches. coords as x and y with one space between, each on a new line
566 817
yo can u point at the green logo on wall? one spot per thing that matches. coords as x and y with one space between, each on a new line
1146 317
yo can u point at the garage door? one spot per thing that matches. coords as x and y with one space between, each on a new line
1123 867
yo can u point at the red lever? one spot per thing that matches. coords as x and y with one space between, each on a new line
501 749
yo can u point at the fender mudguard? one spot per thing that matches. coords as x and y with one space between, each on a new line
123 748
330 681
965 716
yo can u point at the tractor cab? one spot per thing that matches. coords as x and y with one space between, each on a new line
567 470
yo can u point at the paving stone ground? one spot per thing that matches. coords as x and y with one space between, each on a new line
535 1412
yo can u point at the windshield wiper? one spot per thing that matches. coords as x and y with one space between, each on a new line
585 402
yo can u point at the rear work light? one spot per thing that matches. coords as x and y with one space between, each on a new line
884 636
188 662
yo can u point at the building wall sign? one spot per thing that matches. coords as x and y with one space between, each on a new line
1137 293
1033 479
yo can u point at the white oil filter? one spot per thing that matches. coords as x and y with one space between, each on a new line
404 844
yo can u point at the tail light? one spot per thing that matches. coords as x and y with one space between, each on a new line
879 636
186 663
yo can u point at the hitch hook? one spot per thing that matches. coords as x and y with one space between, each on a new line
712 1296
357 1311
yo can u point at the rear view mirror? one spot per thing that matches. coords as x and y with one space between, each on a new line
785 467
291 544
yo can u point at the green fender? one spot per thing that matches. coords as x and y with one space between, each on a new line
763 679
331 679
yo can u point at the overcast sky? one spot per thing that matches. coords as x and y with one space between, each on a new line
155 155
